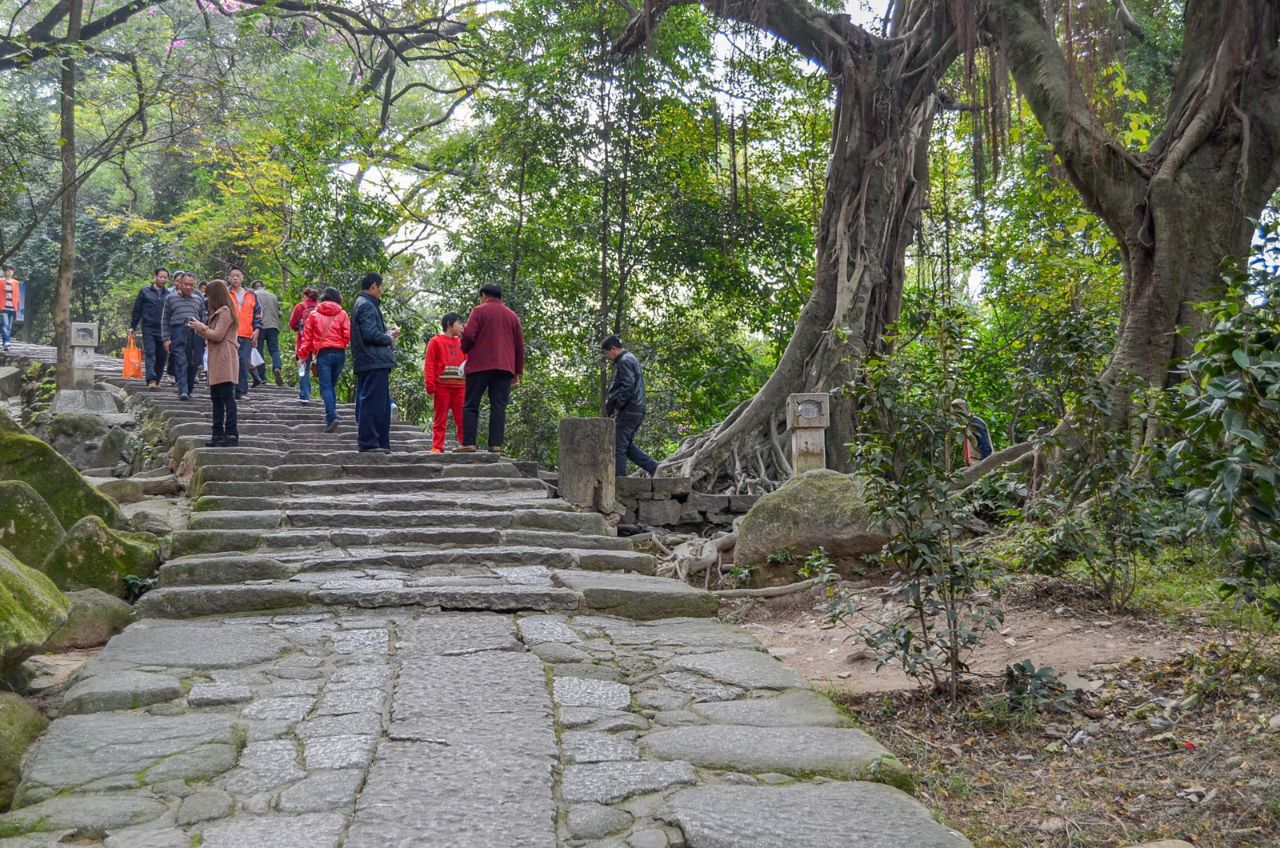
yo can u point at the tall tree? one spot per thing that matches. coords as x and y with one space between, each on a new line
885 91
1184 205
69 183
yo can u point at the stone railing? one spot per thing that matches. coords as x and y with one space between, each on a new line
671 502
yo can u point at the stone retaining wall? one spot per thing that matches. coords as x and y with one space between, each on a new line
671 502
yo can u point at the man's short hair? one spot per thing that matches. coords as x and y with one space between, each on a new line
611 343
157 271
491 290
369 280
10 268
234 268
449 319
257 284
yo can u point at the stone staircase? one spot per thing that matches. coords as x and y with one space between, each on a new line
294 516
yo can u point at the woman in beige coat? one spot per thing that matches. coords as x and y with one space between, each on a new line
224 363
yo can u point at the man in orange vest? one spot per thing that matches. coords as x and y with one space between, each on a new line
249 315
10 303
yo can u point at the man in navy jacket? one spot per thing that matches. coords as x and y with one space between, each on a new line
626 405
148 313
373 355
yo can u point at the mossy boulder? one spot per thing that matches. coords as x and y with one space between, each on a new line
93 556
31 610
20 725
68 494
28 527
94 618
819 509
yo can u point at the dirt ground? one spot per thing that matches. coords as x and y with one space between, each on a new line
1058 634
1174 732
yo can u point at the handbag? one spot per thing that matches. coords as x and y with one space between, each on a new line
132 360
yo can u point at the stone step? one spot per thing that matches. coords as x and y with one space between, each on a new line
384 503
445 537
331 455
586 523
319 488
309 472
313 427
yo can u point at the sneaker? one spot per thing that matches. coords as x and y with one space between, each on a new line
304 400
279 379
331 426
436 450
184 397
151 385
465 449
240 396
495 449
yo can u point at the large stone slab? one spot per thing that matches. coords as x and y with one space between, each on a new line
799 708
748 669
829 815
487 683
475 794
322 830
841 753
116 747
585 692
197 645
85 812
124 691
637 596
459 633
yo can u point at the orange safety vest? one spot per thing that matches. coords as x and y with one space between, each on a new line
244 313
11 290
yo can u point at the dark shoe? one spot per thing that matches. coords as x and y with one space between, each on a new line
215 443
465 449
230 441
374 450
279 379
240 396
331 426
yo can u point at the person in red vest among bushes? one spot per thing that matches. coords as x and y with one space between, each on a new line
442 373
493 341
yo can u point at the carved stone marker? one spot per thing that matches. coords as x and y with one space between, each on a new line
84 342
586 463
808 415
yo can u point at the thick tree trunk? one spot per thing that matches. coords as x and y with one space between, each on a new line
876 184
67 244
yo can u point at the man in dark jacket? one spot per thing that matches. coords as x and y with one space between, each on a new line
373 355
493 341
625 404
148 313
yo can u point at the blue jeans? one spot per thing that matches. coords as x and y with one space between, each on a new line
625 426
154 354
269 347
246 350
304 381
6 325
329 364
374 411
185 354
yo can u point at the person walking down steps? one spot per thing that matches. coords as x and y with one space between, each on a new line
494 344
244 305
10 303
148 315
373 355
442 373
224 363
181 343
325 337
298 320
626 405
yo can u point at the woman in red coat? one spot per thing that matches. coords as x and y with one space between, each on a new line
325 336
298 320
442 373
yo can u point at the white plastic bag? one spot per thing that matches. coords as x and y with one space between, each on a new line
255 358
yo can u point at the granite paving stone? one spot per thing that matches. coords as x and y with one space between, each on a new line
798 708
609 783
842 753
596 747
829 815
585 692
322 791
198 645
317 830
122 691
742 668
218 694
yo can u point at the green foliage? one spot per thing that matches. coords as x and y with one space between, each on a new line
1232 415
1027 685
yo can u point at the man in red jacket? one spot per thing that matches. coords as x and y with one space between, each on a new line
442 374
494 344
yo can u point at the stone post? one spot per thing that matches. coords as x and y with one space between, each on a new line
84 343
586 463
808 415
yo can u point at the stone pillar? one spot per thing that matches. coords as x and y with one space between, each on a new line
84 343
586 463
808 415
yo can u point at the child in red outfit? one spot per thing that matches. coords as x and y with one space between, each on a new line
442 373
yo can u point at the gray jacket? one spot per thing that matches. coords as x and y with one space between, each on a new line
177 309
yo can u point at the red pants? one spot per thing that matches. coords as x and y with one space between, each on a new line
446 400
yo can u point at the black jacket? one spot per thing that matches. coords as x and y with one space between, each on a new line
148 308
626 395
371 346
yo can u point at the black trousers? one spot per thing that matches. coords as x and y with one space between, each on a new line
224 410
498 386
373 409
625 426
185 355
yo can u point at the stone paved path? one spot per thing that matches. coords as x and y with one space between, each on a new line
361 651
